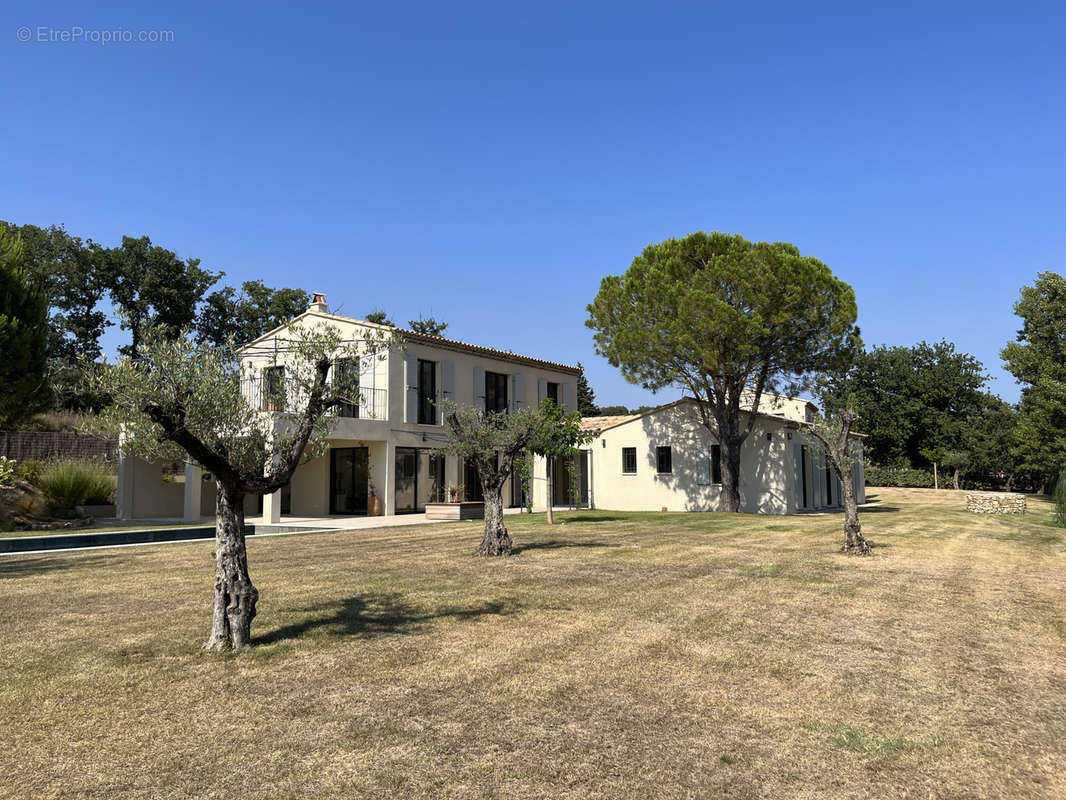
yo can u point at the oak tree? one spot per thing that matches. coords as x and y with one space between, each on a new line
1037 359
152 286
247 314
430 326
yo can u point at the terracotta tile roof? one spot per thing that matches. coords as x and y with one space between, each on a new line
503 355
597 424
437 341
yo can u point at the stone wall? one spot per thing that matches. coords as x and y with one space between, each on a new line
995 503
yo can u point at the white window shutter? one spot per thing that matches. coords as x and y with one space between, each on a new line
410 383
542 390
518 391
568 397
447 384
703 470
367 395
479 387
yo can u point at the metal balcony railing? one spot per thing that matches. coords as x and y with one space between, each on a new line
275 394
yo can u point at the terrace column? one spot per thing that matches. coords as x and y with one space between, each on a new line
193 486
388 502
124 487
272 508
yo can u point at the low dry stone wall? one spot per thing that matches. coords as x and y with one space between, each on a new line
989 503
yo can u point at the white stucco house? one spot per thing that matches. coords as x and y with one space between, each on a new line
666 459
380 455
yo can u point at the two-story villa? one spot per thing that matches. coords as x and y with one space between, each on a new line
380 456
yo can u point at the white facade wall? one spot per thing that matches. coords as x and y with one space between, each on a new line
771 470
460 377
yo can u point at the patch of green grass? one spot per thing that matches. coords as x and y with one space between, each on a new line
885 747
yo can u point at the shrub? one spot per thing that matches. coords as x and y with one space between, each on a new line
1060 499
7 472
899 476
71 483
29 471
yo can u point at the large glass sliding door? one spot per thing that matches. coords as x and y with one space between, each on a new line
419 479
570 485
406 478
349 471
518 490
471 483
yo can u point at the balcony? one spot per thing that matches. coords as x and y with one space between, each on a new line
275 394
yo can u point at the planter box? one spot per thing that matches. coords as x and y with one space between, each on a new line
96 511
455 511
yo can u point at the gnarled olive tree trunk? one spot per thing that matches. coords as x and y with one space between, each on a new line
496 541
836 438
854 542
235 596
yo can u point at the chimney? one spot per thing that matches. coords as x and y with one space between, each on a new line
318 303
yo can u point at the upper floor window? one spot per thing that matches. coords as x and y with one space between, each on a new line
664 460
346 377
427 392
495 392
629 461
274 389
553 392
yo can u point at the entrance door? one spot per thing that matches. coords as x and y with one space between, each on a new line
349 470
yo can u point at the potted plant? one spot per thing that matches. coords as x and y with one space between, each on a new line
373 502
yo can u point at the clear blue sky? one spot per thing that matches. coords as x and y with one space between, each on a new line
489 165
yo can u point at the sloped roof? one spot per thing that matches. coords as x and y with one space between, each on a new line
597 424
436 341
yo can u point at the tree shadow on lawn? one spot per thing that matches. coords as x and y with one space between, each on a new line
568 517
555 544
376 613
15 565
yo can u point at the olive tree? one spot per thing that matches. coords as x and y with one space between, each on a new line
725 320
491 442
841 448
180 398
558 436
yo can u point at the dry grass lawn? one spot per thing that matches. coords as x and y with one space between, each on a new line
616 656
